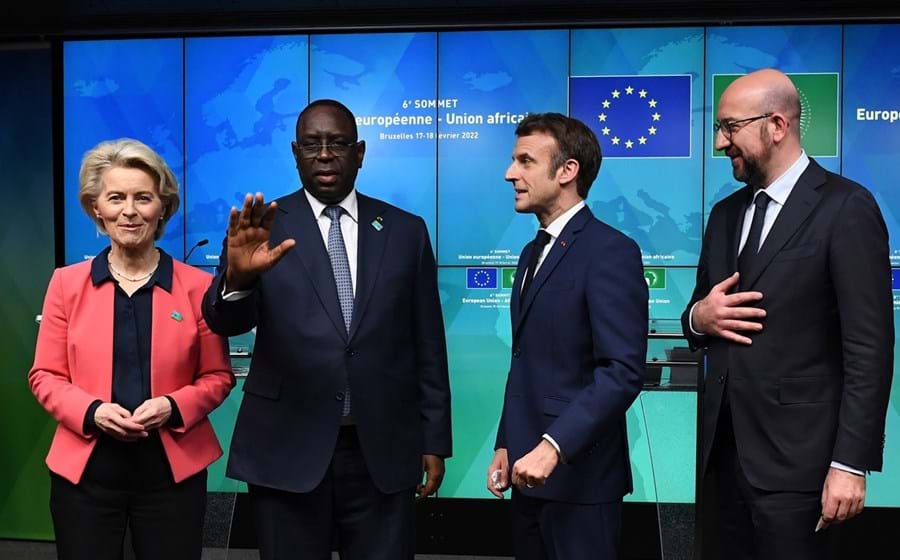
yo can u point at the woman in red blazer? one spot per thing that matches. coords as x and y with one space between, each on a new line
127 366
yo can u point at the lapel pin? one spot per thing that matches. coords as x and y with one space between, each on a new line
176 315
376 223
562 242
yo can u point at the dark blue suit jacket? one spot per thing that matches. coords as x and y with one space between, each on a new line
579 347
395 355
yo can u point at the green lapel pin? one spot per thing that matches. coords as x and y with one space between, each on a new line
376 223
176 315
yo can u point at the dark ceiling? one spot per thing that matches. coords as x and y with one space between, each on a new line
29 20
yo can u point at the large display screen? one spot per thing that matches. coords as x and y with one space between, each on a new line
437 111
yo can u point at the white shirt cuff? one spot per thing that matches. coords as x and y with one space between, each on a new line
845 468
236 295
551 441
691 322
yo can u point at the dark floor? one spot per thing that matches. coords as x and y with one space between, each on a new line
29 550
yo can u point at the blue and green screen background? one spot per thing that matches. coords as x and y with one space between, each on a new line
437 111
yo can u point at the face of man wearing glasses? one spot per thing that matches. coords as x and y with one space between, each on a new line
327 153
743 135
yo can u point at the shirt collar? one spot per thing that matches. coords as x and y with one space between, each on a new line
556 226
162 277
781 187
350 204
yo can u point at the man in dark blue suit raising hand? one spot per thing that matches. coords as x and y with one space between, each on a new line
347 400
579 324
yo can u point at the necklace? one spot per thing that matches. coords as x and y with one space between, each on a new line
129 278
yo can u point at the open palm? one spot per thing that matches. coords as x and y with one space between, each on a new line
249 253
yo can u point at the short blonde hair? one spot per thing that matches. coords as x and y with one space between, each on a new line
130 154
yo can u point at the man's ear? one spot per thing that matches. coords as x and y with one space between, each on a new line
779 126
568 171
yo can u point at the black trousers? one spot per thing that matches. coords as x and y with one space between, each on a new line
90 519
755 524
345 509
546 530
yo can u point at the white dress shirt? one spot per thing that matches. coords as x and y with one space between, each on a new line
778 191
554 229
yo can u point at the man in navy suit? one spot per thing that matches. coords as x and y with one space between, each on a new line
579 324
347 400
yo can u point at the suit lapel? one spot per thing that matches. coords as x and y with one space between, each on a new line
297 220
371 245
515 301
800 202
163 342
559 249
97 345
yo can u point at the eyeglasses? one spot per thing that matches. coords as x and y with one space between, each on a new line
728 128
310 150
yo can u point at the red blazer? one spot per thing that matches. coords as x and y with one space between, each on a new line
73 366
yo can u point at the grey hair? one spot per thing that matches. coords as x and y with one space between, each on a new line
129 154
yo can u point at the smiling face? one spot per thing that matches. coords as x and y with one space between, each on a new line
328 176
129 208
748 141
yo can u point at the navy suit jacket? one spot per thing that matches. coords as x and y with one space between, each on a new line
578 349
395 356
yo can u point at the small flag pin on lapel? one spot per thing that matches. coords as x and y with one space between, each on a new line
176 315
376 223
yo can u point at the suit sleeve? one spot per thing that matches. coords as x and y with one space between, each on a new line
616 294
431 355
50 379
213 379
860 270
701 286
500 442
228 318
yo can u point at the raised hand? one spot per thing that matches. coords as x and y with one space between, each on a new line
249 254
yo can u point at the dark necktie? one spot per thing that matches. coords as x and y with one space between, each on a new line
340 265
751 247
537 247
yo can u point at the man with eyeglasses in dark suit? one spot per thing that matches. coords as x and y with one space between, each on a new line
793 302
347 400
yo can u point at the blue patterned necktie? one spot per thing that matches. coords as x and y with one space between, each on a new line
340 265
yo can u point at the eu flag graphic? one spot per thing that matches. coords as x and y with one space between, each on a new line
481 278
895 279
635 116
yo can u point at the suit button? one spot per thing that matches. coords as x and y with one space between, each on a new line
721 379
339 396
517 352
349 351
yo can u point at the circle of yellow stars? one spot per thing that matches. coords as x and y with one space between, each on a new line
651 130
